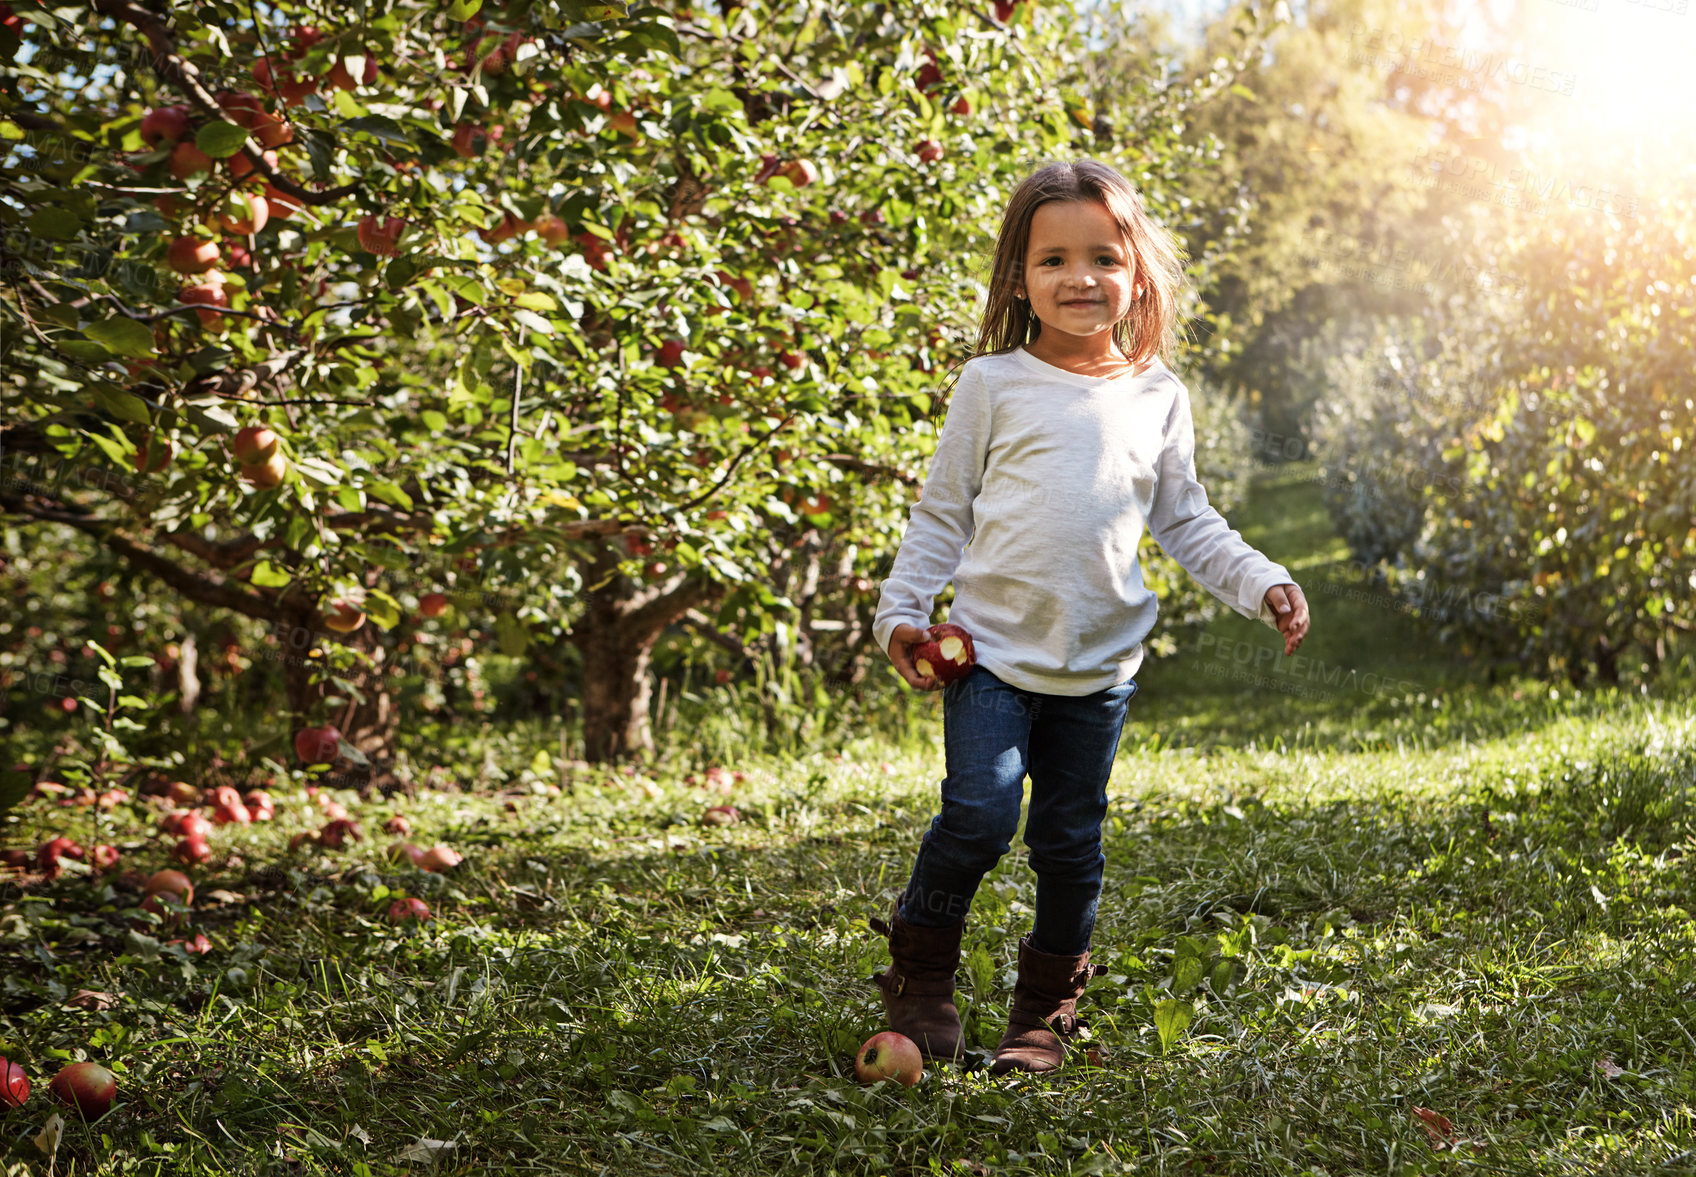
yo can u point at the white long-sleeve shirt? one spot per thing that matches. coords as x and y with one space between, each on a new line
1039 492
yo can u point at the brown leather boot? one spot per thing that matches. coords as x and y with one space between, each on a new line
918 986
1045 1010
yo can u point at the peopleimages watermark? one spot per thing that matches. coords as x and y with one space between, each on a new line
1394 266
1468 69
1516 185
1297 672
1427 596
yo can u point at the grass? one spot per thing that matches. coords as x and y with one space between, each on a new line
1364 904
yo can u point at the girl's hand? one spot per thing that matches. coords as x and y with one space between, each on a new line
1290 608
901 643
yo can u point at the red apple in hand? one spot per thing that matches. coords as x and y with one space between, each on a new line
889 1056
947 654
14 1084
88 1087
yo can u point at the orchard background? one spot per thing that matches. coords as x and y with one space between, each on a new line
492 423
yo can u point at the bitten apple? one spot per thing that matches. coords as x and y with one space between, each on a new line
889 1056
946 654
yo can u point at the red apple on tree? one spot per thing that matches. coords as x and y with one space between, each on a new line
192 254
799 172
432 604
671 353
1004 10
188 160
318 745
341 77
153 454
242 213
14 1084
929 150
255 444
267 474
378 235
240 166
947 653
343 617
889 1056
552 230
88 1087
165 124
279 204
207 292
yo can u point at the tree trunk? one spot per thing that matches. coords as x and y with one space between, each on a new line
616 634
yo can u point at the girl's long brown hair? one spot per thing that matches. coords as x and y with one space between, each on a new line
1151 329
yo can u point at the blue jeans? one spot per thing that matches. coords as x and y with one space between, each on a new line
993 734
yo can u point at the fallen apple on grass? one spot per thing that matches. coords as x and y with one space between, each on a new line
14 1084
51 852
399 850
335 834
721 815
402 910
192 850
889 1056
170 881
88 1087
440 858
946 654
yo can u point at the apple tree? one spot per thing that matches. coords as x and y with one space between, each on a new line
583 317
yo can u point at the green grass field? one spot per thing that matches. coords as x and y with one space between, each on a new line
1326 910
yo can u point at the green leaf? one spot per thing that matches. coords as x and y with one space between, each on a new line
380 126
124 405
268 575
1171 1019
464 9
220 140
391 494
124 337
534 321
513 635
54 223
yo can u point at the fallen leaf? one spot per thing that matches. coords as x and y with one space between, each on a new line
48 1139
1438 1129
1607 1067
91 999
423 1151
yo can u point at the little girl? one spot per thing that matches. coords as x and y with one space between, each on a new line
1065 437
